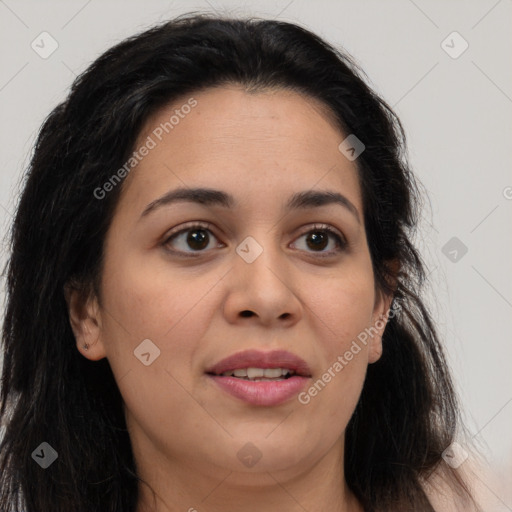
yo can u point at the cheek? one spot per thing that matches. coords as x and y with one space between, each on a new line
342 315
343 306
173 312
149 300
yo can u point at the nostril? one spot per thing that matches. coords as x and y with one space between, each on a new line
246 313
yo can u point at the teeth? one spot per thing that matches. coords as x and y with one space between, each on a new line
258 373
255 373
271 373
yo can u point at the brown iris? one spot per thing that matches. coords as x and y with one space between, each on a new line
197 239
319 240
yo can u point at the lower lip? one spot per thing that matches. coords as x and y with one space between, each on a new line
273 392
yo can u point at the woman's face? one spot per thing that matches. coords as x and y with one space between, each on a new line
257 274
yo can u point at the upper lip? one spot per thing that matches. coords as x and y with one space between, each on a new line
259 359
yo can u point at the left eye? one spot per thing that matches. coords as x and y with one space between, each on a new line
318 238
197 237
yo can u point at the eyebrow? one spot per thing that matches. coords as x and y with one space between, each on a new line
212 197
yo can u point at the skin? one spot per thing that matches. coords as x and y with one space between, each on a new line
260 147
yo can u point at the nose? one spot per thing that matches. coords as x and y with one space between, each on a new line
261 290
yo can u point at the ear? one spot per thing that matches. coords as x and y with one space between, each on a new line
379 322
85 319
380 315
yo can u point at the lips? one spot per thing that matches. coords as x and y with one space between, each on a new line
261 392
258 359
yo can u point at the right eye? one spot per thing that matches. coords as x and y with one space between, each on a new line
195 236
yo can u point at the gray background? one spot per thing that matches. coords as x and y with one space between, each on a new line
456 113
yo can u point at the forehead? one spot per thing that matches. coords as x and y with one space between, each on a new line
261 147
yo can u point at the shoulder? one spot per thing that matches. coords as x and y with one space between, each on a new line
444 492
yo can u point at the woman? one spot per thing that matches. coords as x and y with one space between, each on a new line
213 298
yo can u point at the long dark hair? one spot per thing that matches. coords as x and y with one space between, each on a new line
407 414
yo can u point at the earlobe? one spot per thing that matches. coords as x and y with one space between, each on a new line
85 321
375 351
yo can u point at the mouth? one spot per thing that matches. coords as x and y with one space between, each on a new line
261 378
259 374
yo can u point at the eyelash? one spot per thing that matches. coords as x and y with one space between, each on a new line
340 240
